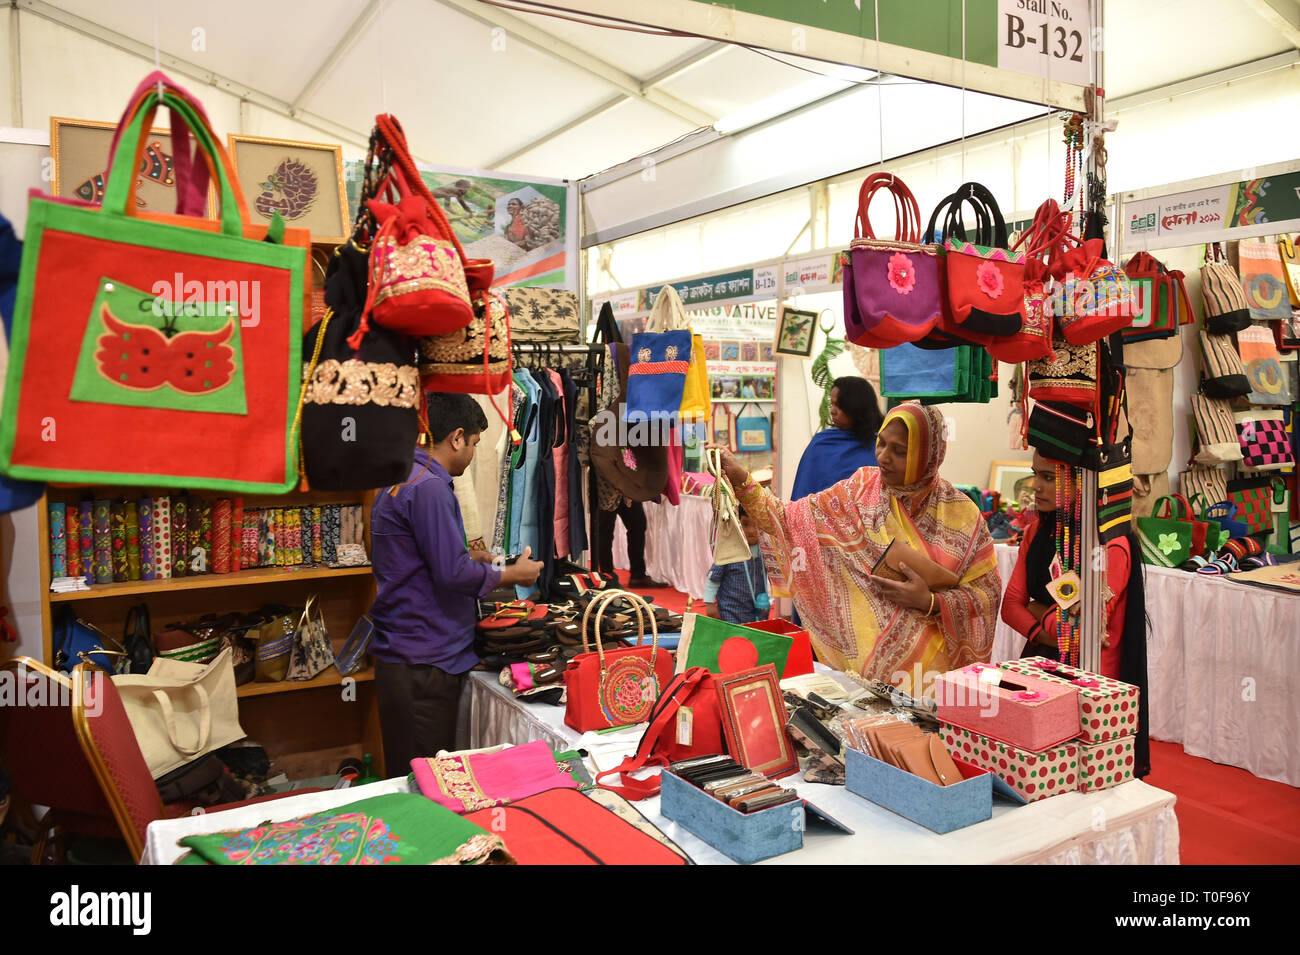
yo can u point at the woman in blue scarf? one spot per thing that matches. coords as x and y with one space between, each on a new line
848 444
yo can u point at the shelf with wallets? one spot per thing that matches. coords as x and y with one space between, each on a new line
307 727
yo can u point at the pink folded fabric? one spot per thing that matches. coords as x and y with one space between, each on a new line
468 783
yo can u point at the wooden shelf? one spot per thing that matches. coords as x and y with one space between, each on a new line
240 578
330 677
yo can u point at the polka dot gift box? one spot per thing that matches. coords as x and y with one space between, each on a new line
1106 764
1033 775
1108 709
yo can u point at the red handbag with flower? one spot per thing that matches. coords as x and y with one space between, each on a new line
986 279
891 287
617 687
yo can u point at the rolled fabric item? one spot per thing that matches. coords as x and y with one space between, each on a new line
72 534
221 516
295 536
101 523
132 540
205 534
180 535
236 557
316 555
58 514
117 524
280 538
162 537
304 521
148 566
266 537
252 521
86 531
330 534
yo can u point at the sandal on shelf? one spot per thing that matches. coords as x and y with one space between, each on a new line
513 615
549 655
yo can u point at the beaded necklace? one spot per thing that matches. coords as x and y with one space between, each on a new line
1074 177
1068 534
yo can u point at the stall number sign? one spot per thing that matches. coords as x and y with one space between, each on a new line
1048 38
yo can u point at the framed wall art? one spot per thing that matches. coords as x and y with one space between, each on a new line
796 332
301 181
79 148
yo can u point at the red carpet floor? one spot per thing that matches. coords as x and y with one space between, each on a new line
1226 816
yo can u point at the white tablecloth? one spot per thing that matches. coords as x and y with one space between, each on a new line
1133 823
676 544
1223 661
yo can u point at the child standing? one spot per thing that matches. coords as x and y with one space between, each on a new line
737 593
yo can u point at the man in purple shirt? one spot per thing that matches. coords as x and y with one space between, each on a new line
428 582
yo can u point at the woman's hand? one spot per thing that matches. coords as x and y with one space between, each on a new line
733 469
912 592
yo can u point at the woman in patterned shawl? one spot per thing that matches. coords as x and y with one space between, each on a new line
821 550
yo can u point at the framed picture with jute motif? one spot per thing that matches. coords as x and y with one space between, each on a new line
301 181
80 148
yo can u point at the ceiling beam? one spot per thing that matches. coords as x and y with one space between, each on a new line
175 64
672 70
346 43
558 49
568 127
1282 15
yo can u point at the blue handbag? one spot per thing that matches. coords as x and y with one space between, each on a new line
753 432
76 641
656 378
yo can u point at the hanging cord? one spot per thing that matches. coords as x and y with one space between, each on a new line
296 434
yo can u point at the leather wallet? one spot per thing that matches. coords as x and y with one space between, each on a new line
815 731
936 576
765 799
883 738
928 758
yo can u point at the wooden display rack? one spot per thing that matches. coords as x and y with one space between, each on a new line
307 727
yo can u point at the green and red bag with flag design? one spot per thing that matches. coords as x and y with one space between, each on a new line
156 349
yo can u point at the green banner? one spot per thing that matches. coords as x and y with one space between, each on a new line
713 288
933 26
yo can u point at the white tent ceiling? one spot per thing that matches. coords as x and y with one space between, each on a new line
481 87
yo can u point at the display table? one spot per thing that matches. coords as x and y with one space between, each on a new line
1223 659
676 543
1133 823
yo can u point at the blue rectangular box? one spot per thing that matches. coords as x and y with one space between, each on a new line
939 808
744 837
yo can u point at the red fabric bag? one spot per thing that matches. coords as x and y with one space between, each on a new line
184 329
615 687
564 827
985 279
685 722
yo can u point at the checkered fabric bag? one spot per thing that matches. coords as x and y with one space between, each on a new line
1265 444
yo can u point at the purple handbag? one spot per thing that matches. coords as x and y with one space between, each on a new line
891 289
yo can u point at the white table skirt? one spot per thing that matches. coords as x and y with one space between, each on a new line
1132 824
1223 660
676 543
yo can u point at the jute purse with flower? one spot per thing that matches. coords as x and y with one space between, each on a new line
891 289
986 280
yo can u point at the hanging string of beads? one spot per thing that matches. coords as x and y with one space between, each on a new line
1074 178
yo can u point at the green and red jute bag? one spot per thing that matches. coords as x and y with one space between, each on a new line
156 349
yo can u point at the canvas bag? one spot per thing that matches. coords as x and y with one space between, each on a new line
891 289
1265 445
1169 537
1222 373
1290 258
668 315
1226 307
180 711
1252 496
726 535
1270 382
1263 280
1161 299
1207 483
1216 432
1151 417
752 432
85 299
541 315
312 652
